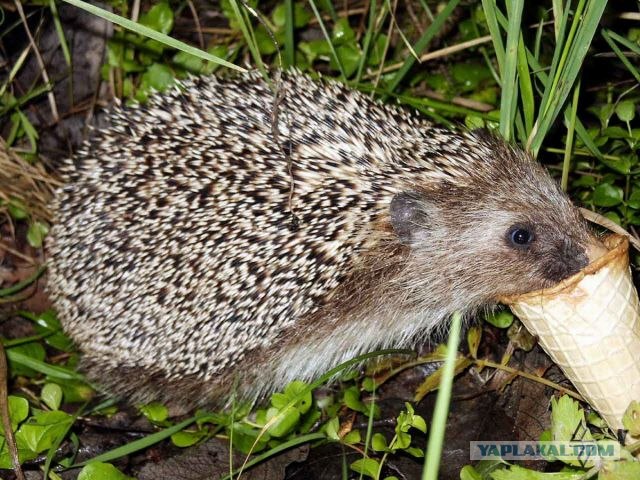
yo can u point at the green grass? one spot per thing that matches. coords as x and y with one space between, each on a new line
528 84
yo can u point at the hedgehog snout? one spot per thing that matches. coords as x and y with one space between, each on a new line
570 259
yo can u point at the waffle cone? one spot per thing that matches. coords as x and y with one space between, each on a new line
589 324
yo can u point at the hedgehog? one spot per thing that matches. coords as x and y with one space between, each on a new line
196 256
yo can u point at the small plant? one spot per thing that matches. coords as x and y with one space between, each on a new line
568 424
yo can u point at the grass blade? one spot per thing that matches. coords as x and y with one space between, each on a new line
610 36
43 367
422 43
328 38
367 40
526 87
509 97
140 444
301 440
571 116
441 410
289 45
569 66
249 37
491 15
558 10
150 33
581 131
66 53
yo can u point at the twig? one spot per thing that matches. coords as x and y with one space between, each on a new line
10 438
514 371
196 19
43 68
386 49
608 224
630 16
135 10
18 254
443 52
461 101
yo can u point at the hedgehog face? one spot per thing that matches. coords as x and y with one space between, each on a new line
555 253
487 247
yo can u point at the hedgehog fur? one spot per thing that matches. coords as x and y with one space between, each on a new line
177 267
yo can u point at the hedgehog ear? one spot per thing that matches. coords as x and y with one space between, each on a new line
408 218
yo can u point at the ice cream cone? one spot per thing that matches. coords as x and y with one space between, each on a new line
589 324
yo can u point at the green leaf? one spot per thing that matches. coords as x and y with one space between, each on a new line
141 443
620 164
41 431
607 195
295 391
315 49
634 199
101 471
36 233
615 132
352 437
415 452
244 438
158 77
29 130
631 419
17 209
301 16
159 18
349 56
331 429
155 412
474 336
614 217
469 473
47 323
309 420
418 423
626 110
187 438
470 75
220 51
342 32
501 319
285 420
74 391
369 384
518 473
377 50
23 455
18 412
620 471
352 399
366 466
229 12
264 41
188 62
51 395
379 442
567 420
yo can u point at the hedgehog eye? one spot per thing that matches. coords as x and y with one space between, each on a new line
520 236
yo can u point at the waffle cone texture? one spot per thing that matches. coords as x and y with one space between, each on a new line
589 324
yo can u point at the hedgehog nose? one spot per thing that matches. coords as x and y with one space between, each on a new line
575 257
